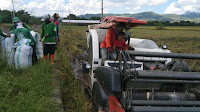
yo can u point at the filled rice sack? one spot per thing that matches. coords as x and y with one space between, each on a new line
39 48
23 56
8 50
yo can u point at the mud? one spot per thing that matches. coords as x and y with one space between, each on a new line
77 69
77 65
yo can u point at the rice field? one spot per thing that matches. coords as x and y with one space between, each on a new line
72 44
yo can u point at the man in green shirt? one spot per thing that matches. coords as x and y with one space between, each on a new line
1 33
24 33
49 38
15 21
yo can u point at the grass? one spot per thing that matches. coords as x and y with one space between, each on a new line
178 40
72 43
27 90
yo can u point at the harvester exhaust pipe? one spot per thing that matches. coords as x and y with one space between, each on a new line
164 55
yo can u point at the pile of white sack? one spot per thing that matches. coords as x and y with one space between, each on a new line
20 53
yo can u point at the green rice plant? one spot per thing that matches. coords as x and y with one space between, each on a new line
27 90
72 43
178 39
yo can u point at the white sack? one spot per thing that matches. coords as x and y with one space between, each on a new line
39 48
1 47
23 56
8 49
22 42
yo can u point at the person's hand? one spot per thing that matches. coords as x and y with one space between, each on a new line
46 36
131 49
110 50
8 35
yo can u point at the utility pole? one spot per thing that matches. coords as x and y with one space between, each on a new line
101 8
69 8
13 14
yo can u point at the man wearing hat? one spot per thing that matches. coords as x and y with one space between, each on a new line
48 38
15 21
106 47
1 33
55 21
23 33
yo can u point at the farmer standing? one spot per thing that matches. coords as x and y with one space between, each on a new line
48 38
55 21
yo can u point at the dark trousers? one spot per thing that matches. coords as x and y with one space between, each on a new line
34 56
49 49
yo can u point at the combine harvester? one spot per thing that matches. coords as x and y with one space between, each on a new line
143 80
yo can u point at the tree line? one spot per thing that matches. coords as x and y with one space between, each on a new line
23 16
28 19
168 23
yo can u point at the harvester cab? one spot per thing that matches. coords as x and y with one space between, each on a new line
142 80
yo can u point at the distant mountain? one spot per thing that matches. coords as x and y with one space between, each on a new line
151 16
191 15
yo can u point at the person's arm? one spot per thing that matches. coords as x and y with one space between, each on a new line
26 26
2 34
31 37
114 46
125 46
108 38
130 48
42 35
12 27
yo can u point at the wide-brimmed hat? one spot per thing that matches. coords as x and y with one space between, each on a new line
15 19
46 16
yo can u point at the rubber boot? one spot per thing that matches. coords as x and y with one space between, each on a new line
52 57
45 57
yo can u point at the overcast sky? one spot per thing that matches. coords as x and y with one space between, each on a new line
79 7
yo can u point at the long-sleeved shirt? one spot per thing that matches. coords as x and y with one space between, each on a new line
109 38
23 33
50 31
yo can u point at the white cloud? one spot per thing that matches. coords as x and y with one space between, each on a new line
152 2
78 7
181 6
5 4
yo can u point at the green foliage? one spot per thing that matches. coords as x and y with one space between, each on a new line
95 18
24 16
168 23
159 26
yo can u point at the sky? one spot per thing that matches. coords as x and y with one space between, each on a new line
80 7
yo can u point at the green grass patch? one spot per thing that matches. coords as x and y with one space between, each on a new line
27 90
72 43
